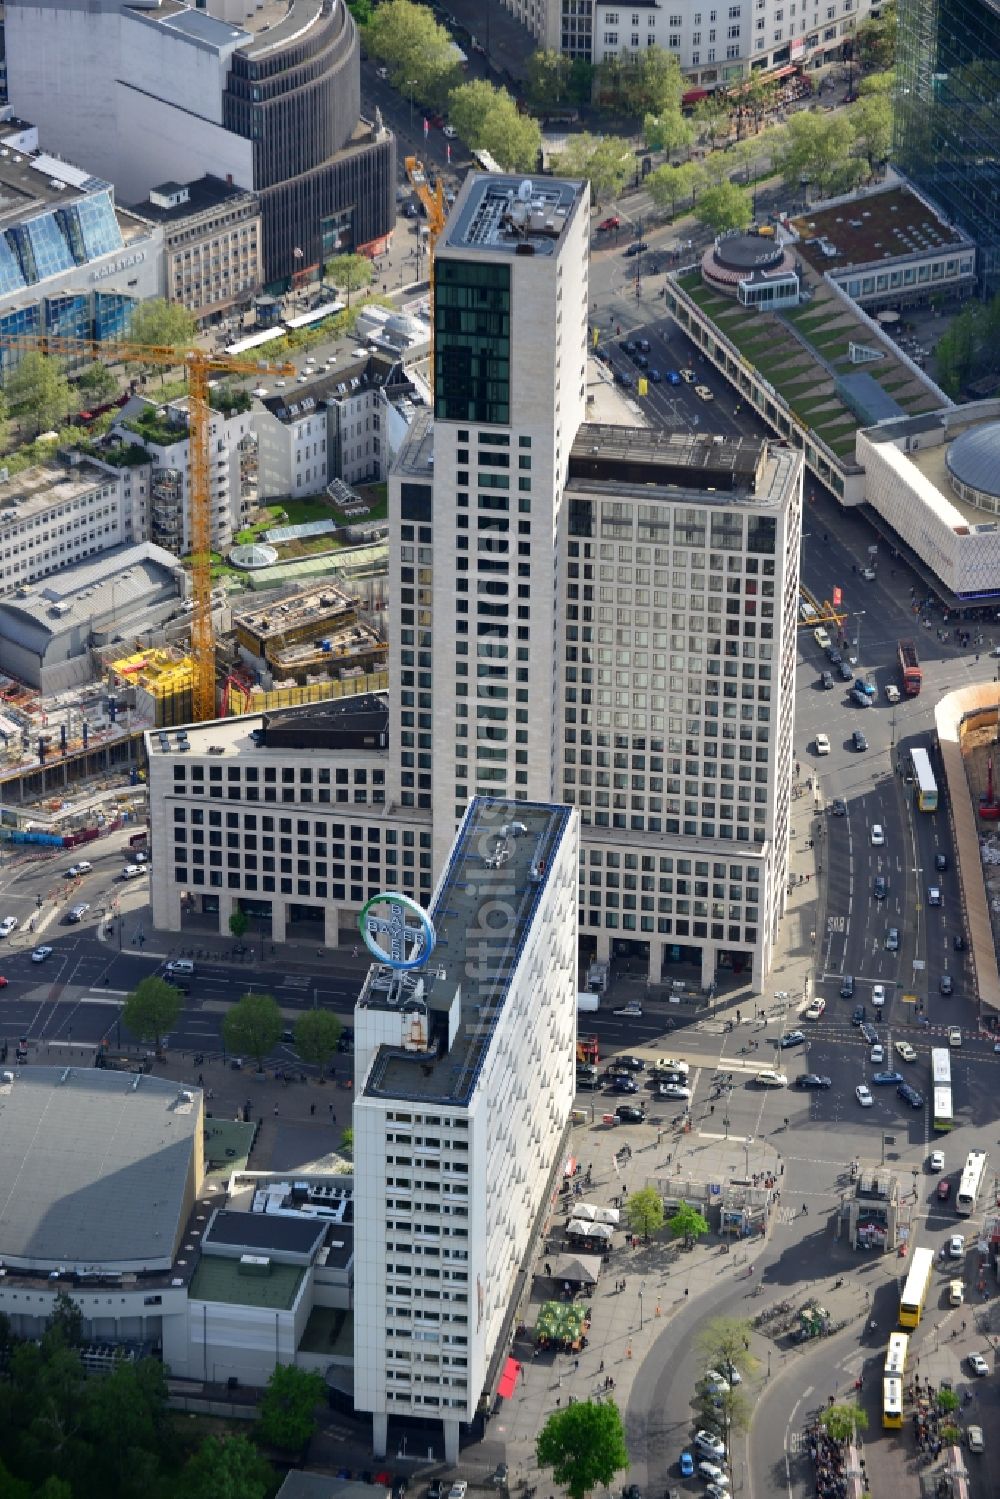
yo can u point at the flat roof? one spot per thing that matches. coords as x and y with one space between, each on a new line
504 213
33 181
878 226
222 738
218 1279
278 22
291 1233
416 456
95 1167
272 620
660 464
46 485
204 194
521 838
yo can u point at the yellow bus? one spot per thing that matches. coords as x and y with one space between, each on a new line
892 1380
911 1303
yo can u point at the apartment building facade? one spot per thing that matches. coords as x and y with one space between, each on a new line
55 514
464 1083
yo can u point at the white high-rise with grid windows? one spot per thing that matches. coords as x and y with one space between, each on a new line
592 613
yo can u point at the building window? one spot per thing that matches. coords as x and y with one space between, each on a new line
472 342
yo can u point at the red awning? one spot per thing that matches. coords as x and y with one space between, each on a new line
508 1379
694 95
785 72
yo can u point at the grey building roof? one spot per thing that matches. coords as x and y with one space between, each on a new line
299 1485
974 458
96 1169
295 1233
83 594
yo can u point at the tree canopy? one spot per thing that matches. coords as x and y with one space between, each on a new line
349 272
253 1026
668 132
150 1012
645 1211
548 79
871 118
843 1420
288 1407
876 39
818 151
724 1342
605 161
668 185
37 391
158 321
419 54
970 349
488 118
316 1035
687 1223
584 1446
723 207
227 1468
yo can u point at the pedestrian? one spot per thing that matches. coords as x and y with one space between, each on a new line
686 1291
601 1369
201 1080
312 1108
276 1111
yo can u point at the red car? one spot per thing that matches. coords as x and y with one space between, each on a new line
437 121
3 982
944 1190
612 223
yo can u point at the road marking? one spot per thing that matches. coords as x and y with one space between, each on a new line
97 999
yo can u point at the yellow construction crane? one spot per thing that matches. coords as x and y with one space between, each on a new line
437 213
200 366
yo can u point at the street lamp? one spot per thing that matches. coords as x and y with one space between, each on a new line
411 84
746 1154
642 1287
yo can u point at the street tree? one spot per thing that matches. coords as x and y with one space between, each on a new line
669 132
759 95
548 79
584 1446
316 1035
288 1407
97 385
607 162
238 923
843 1420
488 119
581 81
947 1400
711 118
724 1343
419 54
876 39
253 1026
124 1424
819 152
878 83
349 273
871 118
64 1323
667 185
227 1468
38 392
950 1434
730 1410
161 322
151 1010
724 207
645 1212
361 10
687 1224
652 83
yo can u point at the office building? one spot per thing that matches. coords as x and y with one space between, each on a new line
266 97
212 245
946 128
71 262
464 1082
163 431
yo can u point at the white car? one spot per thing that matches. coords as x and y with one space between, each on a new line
715 1383
863 1095
132 871
816 1009
974 1437
978 1364
40 954
878 995
676 1091
712 1473
671 1064
936 1162
449 131
84 867
906 1051
877 1056
458 1490
821 638
956 1293
954 1036
956 1246
770 1078
822 744
8 925
878 835
708 1442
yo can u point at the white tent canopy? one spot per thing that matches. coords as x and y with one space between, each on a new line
589 1212
578 1230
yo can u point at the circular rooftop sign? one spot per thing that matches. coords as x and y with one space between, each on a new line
407 926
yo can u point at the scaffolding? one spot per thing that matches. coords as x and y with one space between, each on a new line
163 683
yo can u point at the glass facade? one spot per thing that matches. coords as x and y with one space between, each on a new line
947 129
22 322
68 316
472 341
112 313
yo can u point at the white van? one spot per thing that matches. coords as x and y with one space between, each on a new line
132 871
180 968
588 1002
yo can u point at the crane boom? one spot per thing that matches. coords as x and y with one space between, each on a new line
200 365
437 213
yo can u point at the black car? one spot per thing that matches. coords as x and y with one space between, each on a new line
628 1064
859 699
644 344
623 378
910 1096
346 1040
870 1033
630 346
958 943
630 1113
946 984
639 248
846 671
858 742
671 1077
832 654
623 1085
847 987
641 361
880 887
588 1081
941 862
631 1491
437 1489
792 1038
838 807
655 376
613 1072
826 680
858 1016
812 1080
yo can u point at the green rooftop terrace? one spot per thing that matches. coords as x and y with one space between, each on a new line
803 351
221 1280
